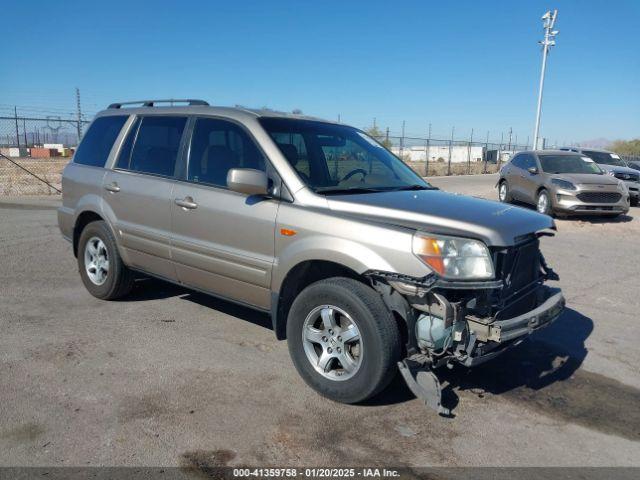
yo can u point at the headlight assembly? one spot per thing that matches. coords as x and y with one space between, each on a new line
454 257
563 184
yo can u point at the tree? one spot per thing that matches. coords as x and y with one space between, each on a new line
376 133
626 147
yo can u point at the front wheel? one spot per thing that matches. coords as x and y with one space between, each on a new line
543 203
343 340
504 195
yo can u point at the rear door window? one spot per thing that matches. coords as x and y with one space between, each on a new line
156 145
124 157
97 142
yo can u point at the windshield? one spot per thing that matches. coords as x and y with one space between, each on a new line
568 164
333 158
604 158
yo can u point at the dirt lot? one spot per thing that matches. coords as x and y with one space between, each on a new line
169 377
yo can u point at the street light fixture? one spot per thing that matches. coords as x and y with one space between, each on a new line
548 22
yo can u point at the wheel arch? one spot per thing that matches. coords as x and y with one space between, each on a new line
297 279
82 220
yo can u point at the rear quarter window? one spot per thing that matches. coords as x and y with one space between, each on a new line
97 142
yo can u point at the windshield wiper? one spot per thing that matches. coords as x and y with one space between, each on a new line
338 191
413 187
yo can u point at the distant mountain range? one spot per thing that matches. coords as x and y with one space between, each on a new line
596 143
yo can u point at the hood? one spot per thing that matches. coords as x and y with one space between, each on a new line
617 169
586 178
497 224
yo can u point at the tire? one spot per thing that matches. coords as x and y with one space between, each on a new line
114 282
546 208
376 353
634 201
506 197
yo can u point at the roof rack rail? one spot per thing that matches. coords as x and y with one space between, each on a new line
151 103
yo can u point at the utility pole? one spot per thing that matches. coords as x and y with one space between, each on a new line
510 133
548 22
79 113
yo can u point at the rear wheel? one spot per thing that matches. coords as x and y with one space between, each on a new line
543 203
504 195
343 340
101 268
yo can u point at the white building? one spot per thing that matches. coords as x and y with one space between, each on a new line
459 153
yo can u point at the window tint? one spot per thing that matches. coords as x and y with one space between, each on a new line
156 145
293 147
336 158
97 142
125 151
218 146
518 161
529 161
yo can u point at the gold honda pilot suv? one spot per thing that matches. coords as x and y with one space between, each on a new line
364 267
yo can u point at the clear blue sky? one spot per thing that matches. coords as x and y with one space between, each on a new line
470 64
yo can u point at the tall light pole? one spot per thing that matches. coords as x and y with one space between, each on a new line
548 22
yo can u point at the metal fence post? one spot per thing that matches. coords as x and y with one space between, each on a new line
15 116
402 142
427 152
469 153
453 129
486 153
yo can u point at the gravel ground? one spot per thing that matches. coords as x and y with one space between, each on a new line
170 377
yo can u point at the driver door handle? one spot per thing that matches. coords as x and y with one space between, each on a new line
187 203
112 187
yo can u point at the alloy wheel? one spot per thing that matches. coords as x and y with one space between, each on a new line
96 260
543 203
332 342
502 192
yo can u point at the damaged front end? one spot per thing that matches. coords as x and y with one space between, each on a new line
469 322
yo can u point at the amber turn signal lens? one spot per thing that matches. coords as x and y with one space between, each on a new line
287 232
430 253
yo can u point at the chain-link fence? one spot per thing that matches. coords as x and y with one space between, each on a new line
42 146
433 156
26 133
35 151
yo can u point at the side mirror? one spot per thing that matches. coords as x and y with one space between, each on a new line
532 170
248 181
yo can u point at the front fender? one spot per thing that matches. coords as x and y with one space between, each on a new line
354 255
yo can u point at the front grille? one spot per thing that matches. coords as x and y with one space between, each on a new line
519 266
628 177
599 197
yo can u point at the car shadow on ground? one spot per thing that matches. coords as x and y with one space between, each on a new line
550 355
146 288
